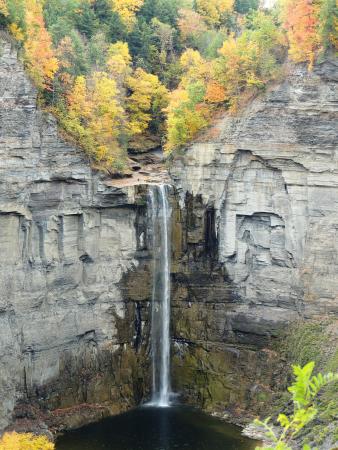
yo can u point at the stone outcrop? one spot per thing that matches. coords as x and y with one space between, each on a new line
260 188
70 322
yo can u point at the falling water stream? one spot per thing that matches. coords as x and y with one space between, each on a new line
160 309
154 427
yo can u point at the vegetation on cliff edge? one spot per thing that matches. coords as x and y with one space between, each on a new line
116 72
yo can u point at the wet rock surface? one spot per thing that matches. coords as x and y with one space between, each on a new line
255 237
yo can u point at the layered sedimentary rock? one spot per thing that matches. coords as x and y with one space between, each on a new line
70 319
260 188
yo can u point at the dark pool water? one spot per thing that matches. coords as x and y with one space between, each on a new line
148 428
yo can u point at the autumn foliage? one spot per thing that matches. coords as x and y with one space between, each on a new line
24 441
301 20
127 10
116 72
312 26
214 10
3 8
39 54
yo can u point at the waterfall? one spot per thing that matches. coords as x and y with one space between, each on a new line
160 306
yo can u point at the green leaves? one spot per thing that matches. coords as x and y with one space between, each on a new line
304 391
283 420
300 388
306 387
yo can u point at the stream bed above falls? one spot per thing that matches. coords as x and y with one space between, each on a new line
150 428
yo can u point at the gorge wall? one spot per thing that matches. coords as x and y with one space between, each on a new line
256 237
255 245
72 321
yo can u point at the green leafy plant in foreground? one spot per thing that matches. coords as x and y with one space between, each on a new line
304 391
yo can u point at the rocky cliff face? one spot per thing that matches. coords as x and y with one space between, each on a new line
71 321
256 238
255 244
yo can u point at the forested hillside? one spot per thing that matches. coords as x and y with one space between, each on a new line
137 74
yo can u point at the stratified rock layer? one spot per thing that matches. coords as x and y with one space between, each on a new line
68 239
261 189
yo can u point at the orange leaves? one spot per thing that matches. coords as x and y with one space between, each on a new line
301 20
24 441
39 54
215 93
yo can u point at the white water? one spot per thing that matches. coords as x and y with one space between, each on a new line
160 309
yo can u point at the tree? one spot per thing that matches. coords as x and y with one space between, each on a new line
60 17
249 61
191 24
24 441
39 54
95 118
245 6
164 10
118 61
3 8
127 10
147 98
215 93
97 50
329 24
301 21
165 35
214 11
304 391
194 67
15 11
186 115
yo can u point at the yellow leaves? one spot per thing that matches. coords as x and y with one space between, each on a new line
213 11
24 441
16 32
108 106
3 8
176 99
194 66
78 104
127 10
39 54
119 59
248 62
147 95
183 124
191 58
95 117
186 113
95 106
